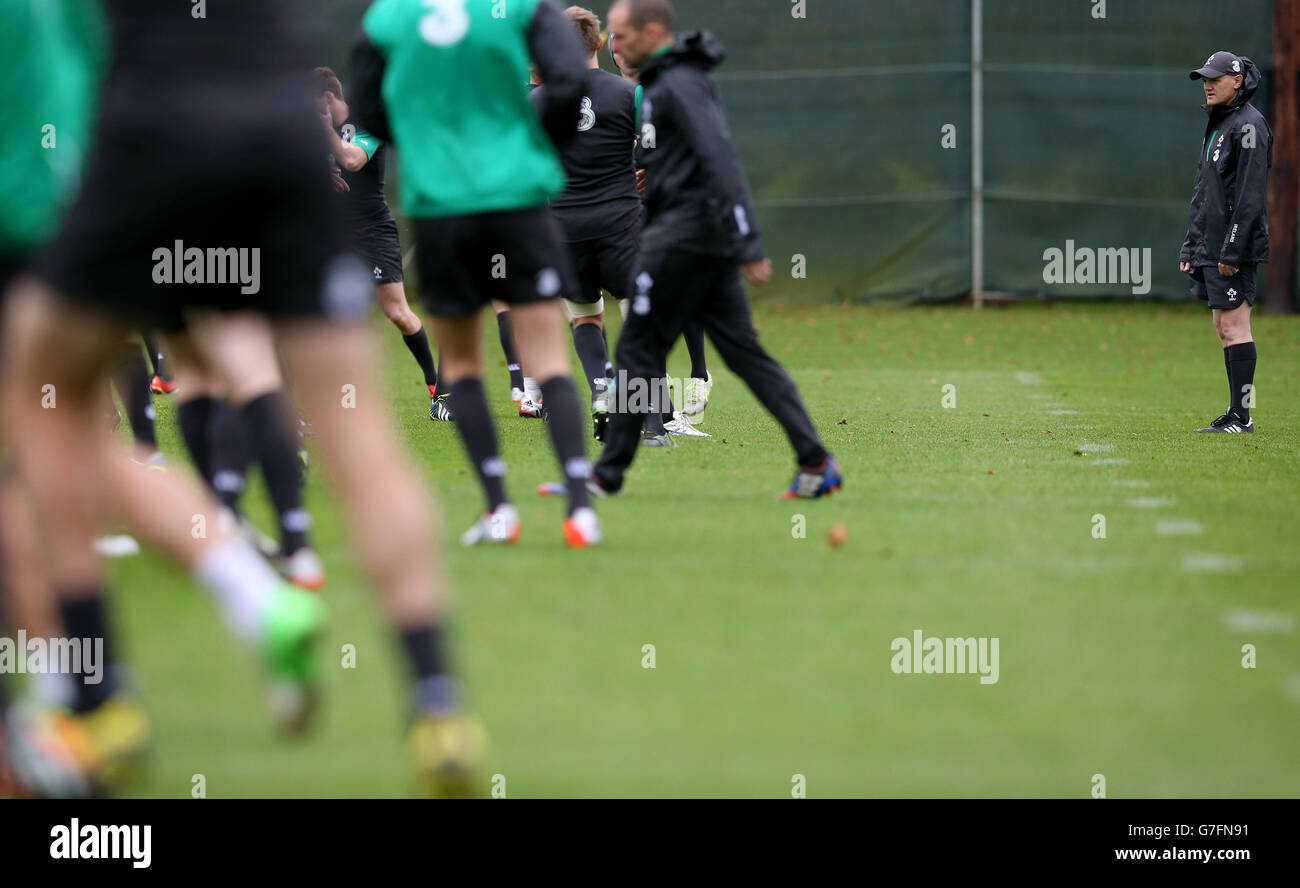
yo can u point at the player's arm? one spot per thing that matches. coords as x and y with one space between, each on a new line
1248 211
350 157
704 125
555 48
366 101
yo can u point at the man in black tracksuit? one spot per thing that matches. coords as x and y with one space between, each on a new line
700 227
1227 231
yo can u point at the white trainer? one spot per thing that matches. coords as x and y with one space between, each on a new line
501 526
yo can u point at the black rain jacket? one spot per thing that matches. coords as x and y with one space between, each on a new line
697 199
1228 220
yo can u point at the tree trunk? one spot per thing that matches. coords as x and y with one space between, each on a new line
1284 183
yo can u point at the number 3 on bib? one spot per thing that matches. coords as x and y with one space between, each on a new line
588 119
446 24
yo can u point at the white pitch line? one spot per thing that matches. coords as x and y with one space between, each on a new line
1131 482
1211 562
1025 378
1063 413
1152 502
1182 527
1094 448
1113 461
1260 621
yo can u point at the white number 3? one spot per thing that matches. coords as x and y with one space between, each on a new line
447 22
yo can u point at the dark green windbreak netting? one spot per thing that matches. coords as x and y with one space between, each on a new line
1091 133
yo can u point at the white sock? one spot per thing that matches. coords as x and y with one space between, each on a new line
51 688
241 581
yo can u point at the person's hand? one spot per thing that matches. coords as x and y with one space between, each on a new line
326 119
758 273
339 184
640 182
1227 270
1185 267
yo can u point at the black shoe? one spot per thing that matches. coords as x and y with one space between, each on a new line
1230 424
439 411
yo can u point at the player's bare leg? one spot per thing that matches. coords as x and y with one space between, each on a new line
79 479
393 529
239 348
393 303
460 344
540 336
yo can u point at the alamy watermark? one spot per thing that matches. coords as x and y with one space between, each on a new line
1107 265
179 264
63 656
953 656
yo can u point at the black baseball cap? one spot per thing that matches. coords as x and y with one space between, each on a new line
1217 65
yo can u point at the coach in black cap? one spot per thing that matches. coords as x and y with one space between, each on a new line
1227 230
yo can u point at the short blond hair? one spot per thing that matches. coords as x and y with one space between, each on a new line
588 25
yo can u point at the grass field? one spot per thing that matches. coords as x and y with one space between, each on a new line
1119 656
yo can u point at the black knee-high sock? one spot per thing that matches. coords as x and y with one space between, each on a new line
568 436
230 455
132 380
418 344
589 343
1240 360
85 619
194 417
694 336
508 349
609 365
266 420
479 435
154 348
426 651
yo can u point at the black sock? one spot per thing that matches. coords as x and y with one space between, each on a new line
609 365
508 349
194 417
230 456
435 689
132 380
479 435
694 336
569 437
590 346
85 619
152 345
1240 359
418 343
266 420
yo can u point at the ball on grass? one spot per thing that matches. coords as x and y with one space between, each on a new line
838 535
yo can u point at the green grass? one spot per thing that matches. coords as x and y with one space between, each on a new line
1117 656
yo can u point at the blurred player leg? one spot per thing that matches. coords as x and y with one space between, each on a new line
392 527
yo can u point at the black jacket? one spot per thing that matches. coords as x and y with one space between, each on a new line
1228 220
697 198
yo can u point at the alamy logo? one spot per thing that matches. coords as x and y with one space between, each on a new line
62 656
348 132
91 842
1108 265
180 264
919 655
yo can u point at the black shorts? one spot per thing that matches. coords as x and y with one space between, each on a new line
378 247
605 263
226 187
1222 292
516 256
